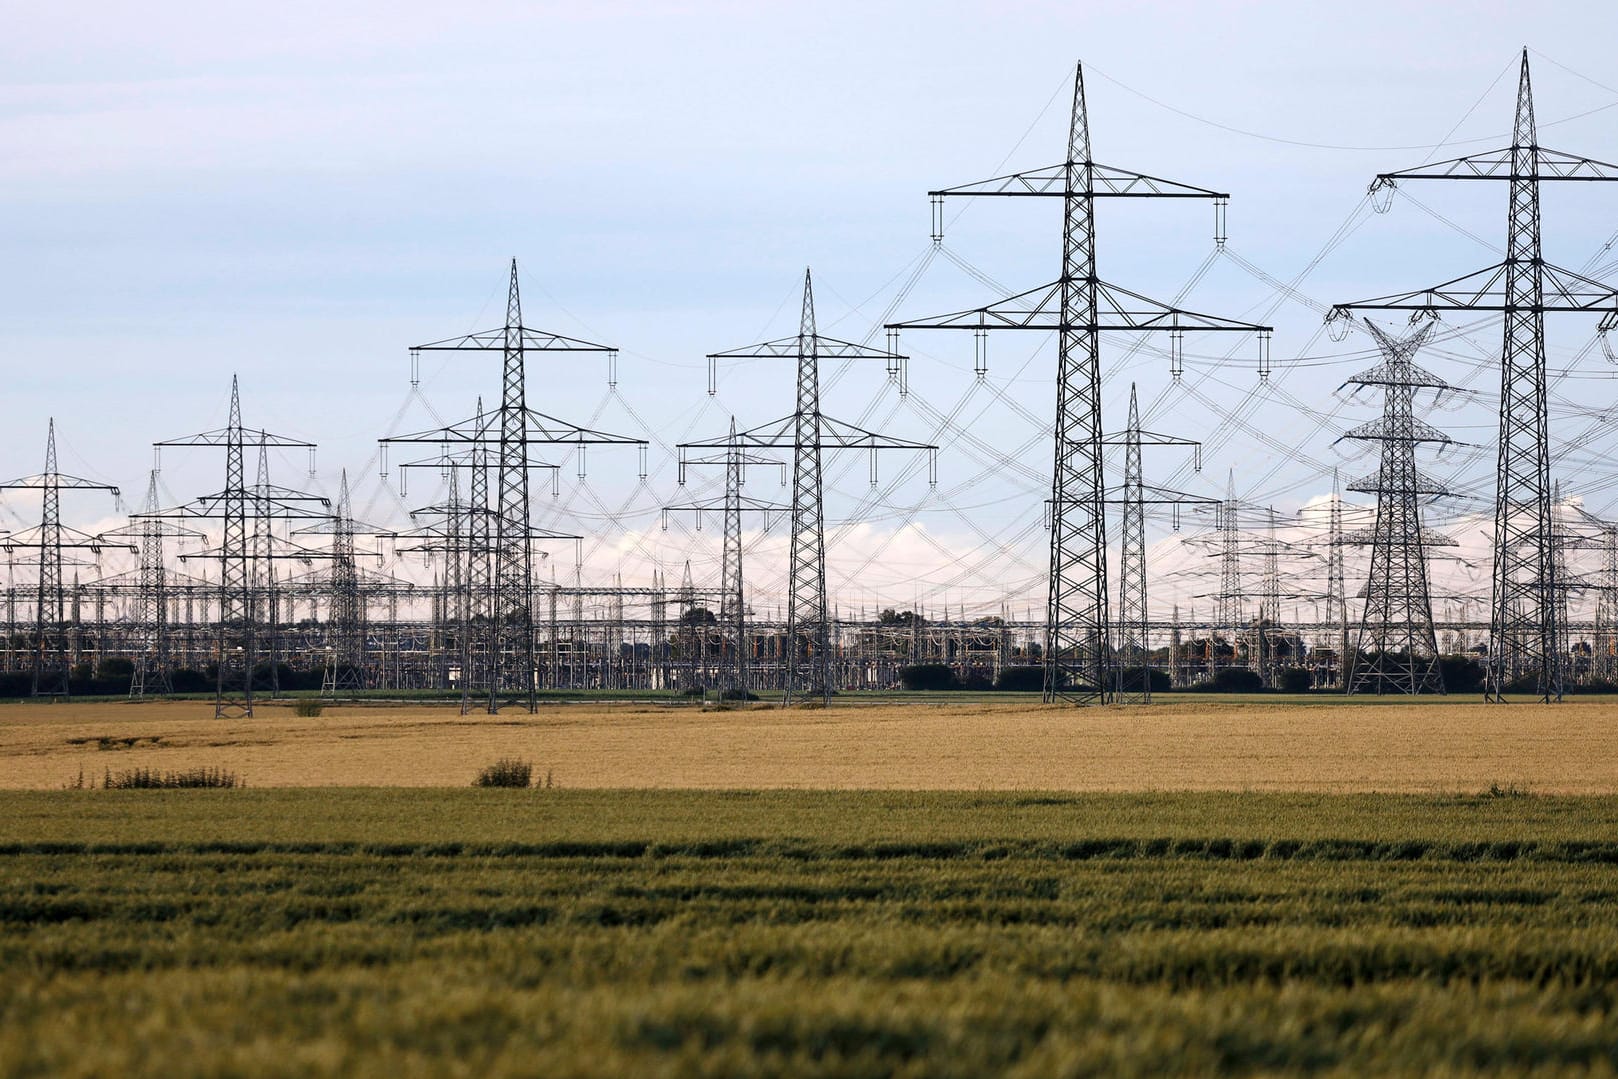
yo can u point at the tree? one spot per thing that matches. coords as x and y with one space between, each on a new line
928 676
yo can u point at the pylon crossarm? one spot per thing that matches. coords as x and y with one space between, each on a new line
496 340
1037 309
1366 537
36 536
720 459
1487 290
1417 483
1382 430
465 459
483 427
57 479
1498 165
545 429
246 437
790 348
1117 310
1106 181
1153 496
298 509
1148 438
1398 373
1133 311
746 504
833 434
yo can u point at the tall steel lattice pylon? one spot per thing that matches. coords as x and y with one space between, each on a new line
1397 650
345 655
1230 615
237 639
1524 648
1078 308
808 432
51 649
513 669
807 624
152 666
1132 646
733 600
1336 586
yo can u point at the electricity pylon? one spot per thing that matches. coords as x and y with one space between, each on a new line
152 666
1131 645
1523 623
1230 599
1336 587
50 652
808 433
513 668
1397 650
1079 307
345 666
489 668
236 644
733 604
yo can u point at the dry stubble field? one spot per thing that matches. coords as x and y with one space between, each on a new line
1183 743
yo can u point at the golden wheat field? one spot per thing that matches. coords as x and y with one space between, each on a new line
1185 743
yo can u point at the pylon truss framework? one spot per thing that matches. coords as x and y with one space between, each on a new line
1130 640
809 432
1079 307
1397 646
731 504
236 644
1526 638
51 674
500 548
831 434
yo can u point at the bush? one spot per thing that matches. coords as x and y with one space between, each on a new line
115 669
306 708
1461 674
152 779
1296 680
1232 680
738 695
928 676
1160 681
506 772
186 680
1021 680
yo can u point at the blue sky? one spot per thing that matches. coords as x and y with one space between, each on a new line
297 192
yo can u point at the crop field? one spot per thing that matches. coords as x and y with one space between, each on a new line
646 933
1185 742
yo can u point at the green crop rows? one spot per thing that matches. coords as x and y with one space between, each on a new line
492 933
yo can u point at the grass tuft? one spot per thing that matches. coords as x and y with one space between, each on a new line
507 772
151 779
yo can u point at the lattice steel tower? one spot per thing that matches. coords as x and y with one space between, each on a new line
1523 619
1397 651
1336 587
1079 307
51 652
512 657
1131 645
808 432
236 645
733 600
1230 597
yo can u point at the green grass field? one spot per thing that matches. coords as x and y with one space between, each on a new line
493 933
